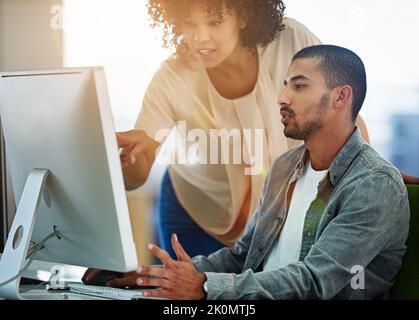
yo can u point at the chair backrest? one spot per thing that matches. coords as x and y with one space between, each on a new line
407 281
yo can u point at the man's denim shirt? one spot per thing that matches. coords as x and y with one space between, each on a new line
353 240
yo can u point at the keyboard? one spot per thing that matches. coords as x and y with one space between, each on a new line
106 292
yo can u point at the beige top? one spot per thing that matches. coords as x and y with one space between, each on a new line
181 91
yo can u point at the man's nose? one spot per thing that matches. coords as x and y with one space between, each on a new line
284 100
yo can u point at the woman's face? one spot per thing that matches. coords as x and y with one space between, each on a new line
212 37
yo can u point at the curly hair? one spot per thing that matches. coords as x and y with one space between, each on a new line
264 19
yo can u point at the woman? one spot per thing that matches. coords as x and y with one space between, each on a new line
228 71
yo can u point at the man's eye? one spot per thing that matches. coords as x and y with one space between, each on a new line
299 85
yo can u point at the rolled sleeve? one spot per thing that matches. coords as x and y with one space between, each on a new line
220 286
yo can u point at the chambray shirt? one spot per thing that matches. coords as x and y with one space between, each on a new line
353 239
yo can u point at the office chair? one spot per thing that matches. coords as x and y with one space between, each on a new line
407 281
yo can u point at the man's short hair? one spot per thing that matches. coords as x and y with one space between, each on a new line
340 67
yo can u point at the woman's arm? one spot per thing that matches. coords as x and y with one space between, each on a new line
364 131
137 156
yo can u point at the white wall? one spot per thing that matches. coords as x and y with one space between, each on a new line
27 40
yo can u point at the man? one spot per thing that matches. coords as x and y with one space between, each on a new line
332 209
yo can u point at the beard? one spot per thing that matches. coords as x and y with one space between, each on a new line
297 132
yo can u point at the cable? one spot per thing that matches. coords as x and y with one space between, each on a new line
33 251
31 247
38 246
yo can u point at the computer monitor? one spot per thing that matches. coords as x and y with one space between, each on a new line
66 173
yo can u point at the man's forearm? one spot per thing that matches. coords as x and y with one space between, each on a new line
224 260
293 282
227 259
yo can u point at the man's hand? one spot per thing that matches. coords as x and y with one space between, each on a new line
90 274
123 280
179 278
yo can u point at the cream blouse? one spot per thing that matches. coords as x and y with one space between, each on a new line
213 194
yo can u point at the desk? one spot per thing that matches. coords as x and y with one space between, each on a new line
34 292
41 270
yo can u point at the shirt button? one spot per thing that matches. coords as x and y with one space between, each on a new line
278 219
260 248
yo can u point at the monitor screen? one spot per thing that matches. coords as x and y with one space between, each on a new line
8 207
61 121
3 215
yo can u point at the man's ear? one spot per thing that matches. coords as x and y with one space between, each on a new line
343 96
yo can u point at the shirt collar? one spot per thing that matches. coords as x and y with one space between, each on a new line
346 155
342 161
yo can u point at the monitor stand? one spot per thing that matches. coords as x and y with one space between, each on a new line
20 235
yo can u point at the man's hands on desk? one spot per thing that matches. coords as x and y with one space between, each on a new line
177 279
